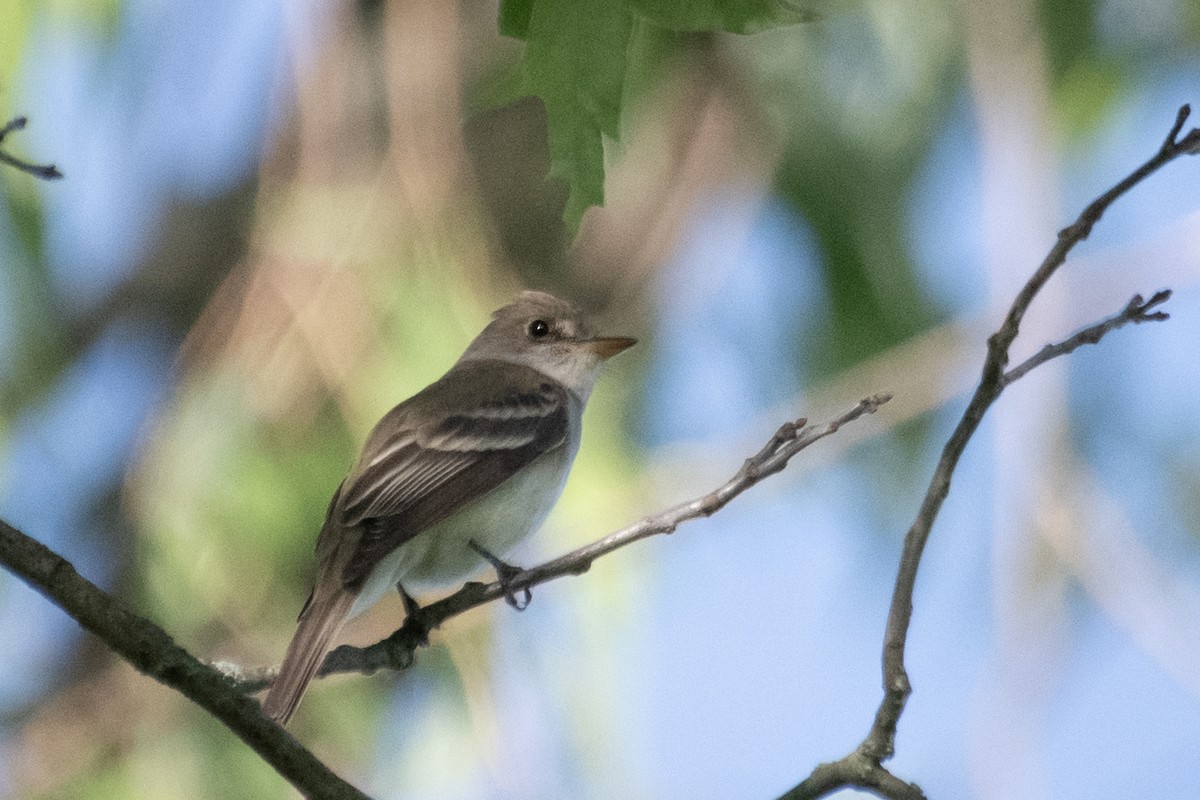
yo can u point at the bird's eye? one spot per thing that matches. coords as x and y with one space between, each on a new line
538 328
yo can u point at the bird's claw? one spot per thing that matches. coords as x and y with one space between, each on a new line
505 573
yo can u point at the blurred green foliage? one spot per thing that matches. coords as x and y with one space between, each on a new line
857 99
732 16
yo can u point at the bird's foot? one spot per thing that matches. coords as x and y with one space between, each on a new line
505 572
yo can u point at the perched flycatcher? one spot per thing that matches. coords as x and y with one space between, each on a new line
461 471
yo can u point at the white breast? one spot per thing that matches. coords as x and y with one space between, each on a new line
498 521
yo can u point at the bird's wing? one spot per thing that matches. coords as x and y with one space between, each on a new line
423 472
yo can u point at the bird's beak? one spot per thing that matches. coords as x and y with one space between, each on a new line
608 346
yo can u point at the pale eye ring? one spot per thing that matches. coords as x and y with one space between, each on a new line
539 328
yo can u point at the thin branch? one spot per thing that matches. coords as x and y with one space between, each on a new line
1133 313
397 651
43 171
879 744
148 648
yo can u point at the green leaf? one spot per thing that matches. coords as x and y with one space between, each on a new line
577 57
575 62
514 18
735 16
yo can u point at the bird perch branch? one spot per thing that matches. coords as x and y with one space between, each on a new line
396 651
863 767
220 689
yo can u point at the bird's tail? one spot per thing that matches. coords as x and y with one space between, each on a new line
320 621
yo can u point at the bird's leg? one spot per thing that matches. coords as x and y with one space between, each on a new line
411 607
505 572
414 615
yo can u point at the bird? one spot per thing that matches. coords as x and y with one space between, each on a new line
453 477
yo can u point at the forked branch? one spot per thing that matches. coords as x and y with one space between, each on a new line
43 171
863 767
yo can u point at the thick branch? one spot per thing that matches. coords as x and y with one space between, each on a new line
880 742
396 651
147 647
43 171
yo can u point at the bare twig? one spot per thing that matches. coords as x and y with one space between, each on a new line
147 647
43 171
1134 312
859 768
396 651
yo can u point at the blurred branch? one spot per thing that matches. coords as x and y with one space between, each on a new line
147 647
396 651
863 767
45 172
